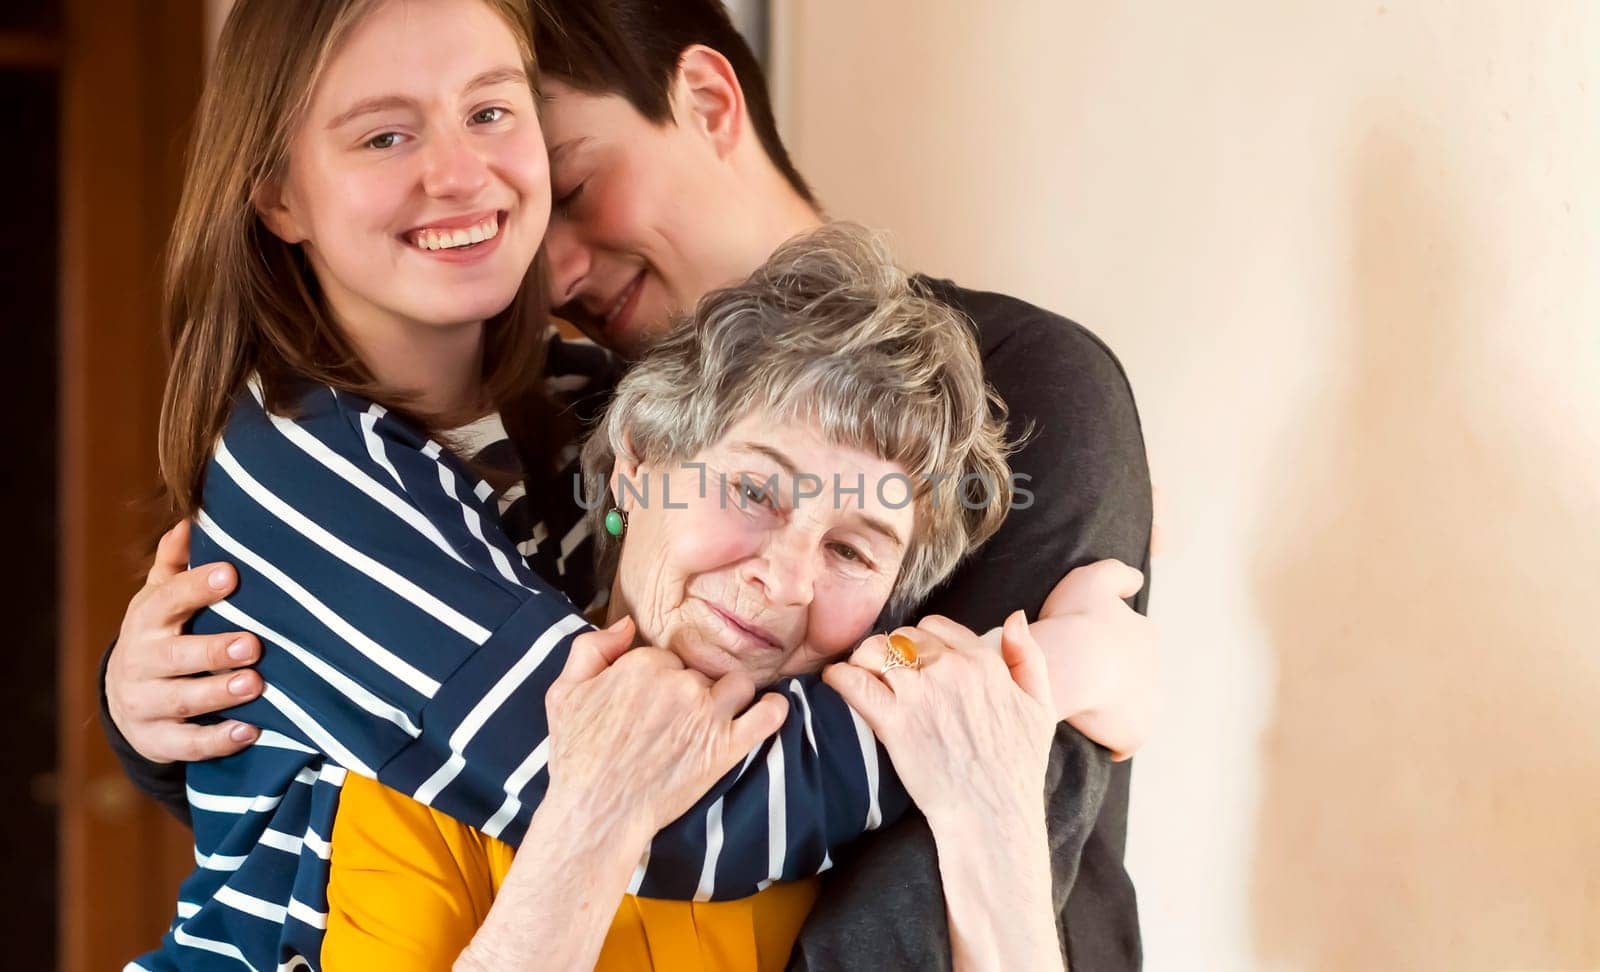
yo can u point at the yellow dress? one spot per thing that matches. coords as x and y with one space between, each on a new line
410 886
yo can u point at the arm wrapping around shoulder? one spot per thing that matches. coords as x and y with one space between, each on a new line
404 636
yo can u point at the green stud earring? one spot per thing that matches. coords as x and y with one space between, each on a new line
616 522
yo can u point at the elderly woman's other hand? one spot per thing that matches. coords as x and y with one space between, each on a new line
637 737
1104 657
969 731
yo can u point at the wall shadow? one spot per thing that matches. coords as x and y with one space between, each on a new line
1431 773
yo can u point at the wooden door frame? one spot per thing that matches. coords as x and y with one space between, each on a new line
130 78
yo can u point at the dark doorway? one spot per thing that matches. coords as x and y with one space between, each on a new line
28 391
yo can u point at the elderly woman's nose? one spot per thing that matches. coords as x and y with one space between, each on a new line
786 573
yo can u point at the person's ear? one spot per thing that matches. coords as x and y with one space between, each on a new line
707 96
272 205
626 469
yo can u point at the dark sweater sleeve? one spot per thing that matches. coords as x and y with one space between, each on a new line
883 907
162 782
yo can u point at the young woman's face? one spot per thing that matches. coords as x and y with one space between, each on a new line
418 183
721 565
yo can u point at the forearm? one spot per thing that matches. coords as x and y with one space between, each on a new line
997 890
562 891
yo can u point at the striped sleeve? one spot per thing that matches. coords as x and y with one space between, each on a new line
821 781
405 639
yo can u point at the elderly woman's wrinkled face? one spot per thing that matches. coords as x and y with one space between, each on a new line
723 566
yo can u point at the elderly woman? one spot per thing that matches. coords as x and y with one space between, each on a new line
815 447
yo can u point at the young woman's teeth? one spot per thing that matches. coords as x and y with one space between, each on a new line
449 239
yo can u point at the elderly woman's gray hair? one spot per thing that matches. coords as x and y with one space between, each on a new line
829 331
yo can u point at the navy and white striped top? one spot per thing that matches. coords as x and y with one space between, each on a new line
405 638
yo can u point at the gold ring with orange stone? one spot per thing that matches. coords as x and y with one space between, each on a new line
901 653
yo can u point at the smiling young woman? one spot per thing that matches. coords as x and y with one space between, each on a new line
352 285
308 242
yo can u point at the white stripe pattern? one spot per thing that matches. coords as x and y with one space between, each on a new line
375 652
300 911
208 945
708 870
777 810
314 731
474 523
526 771
869 759
375 447
708 867
218 803
570 542
491 702
291 844
805 709
314 447
338 680
250 904
278 840
639 872
275 740
217 862
541 533
377 572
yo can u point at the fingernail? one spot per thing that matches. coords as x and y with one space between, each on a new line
218 578
239 684
617 625
241 732
239 650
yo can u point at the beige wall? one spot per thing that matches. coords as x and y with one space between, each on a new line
1350 254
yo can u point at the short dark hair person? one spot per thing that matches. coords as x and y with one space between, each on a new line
631 48
870 913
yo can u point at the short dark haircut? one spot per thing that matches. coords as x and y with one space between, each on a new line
632 48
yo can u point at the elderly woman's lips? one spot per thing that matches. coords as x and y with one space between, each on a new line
759 634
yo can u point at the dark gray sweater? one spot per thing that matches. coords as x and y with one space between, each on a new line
883 908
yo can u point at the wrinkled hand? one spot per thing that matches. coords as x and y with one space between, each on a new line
635 733
149 688
970 731
1104 657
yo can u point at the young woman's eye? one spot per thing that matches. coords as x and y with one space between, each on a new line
488 116
384 140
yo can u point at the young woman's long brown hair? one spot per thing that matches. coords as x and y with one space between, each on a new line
240 301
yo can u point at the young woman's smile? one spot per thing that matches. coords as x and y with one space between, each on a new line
418 184
459 239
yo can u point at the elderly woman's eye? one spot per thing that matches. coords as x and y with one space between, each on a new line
847 552
751 493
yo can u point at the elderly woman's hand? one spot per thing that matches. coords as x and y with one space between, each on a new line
635 740
969 733
970 730
635 734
